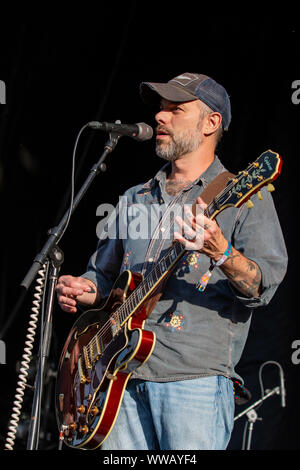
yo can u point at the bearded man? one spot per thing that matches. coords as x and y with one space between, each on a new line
182 397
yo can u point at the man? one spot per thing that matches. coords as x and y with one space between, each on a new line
182 397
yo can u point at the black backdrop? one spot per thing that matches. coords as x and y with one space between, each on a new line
62 73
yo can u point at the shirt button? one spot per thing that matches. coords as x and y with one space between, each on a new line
162 229
150 260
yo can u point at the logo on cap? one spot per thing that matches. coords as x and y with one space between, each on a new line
185 79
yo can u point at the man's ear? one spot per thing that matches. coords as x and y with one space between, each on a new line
212 122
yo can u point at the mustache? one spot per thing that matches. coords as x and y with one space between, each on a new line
161 128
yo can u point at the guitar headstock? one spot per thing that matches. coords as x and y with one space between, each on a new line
260 173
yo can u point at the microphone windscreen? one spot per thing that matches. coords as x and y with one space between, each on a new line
145 131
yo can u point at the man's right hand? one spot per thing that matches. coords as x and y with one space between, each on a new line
71 290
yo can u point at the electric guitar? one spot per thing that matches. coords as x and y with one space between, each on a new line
106 345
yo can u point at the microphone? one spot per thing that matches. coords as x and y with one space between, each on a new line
139 131
280 390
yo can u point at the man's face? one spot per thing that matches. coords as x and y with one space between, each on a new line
179 129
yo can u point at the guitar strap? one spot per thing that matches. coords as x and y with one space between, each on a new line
215 187
207 195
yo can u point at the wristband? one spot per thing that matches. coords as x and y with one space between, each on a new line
202 283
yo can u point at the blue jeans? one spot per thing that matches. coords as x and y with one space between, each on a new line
192 414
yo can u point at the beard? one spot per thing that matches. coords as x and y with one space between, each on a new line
180 144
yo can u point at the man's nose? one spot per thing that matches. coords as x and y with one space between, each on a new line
162 117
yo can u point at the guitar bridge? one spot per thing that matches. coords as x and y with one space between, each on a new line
87 361
83 378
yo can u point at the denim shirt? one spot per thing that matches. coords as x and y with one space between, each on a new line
197 333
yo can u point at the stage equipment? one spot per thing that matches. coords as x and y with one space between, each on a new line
251 413
47 264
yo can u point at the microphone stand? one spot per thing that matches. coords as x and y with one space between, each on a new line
52 255
252 415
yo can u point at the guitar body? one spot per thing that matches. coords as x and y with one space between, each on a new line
97 361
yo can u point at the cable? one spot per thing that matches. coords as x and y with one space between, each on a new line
72 182
26 358
39 298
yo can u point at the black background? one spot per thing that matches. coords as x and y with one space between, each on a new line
61 73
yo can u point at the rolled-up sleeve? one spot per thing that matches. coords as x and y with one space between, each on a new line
258 236
104 265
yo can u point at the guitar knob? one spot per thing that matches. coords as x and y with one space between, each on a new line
81 409
84 429
270 188
249 204
72 426
94 410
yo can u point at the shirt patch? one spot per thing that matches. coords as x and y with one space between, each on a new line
174 321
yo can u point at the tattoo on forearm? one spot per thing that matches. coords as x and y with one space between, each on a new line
249 290
247 281
231 258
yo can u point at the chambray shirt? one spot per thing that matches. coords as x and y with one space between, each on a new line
197 333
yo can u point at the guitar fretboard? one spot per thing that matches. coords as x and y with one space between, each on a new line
150 282
140 294
156 275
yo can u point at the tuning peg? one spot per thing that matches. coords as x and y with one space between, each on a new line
259 195
249 204
270 187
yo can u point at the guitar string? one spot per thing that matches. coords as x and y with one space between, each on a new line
106 331
132 299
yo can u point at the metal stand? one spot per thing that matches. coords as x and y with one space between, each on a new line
33 436
55 233
53 255
252 415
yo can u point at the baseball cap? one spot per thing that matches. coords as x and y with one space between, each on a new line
189 87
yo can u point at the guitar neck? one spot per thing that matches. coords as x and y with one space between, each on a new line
237 190
162 268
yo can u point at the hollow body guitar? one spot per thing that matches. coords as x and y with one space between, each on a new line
98 358
106 345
